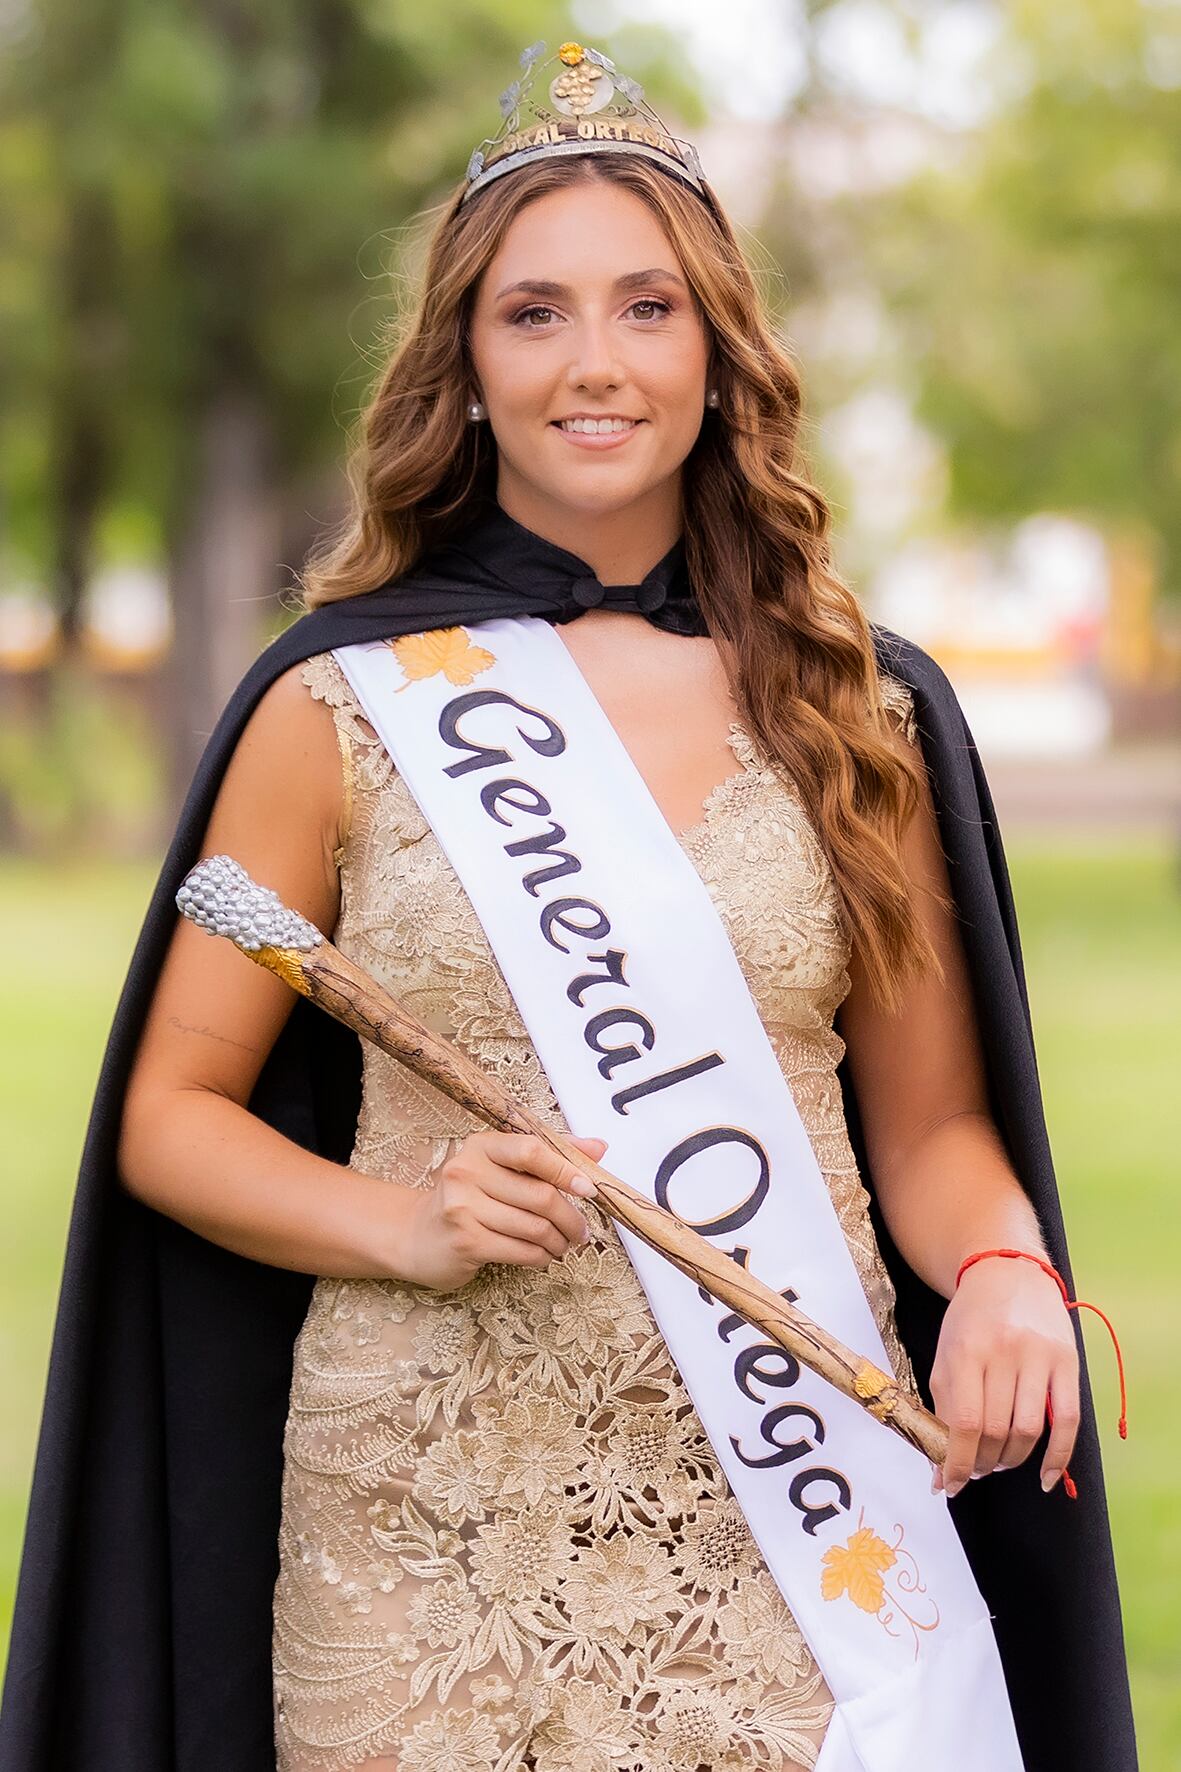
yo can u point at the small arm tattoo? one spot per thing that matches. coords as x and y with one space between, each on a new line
185 1028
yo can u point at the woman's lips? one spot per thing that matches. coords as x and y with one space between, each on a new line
596 439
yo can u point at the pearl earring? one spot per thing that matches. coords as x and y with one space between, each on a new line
476 411
713 398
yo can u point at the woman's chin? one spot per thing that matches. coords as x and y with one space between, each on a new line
598 501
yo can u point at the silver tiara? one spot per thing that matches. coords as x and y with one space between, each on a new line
587 106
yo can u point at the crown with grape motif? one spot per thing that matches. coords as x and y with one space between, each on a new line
585 106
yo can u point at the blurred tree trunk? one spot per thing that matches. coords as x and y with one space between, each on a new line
224 571
81 427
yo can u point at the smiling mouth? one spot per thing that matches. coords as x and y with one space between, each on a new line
596 427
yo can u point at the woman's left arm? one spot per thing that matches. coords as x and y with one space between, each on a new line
946 1189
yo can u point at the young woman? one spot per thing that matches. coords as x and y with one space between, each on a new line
504 1536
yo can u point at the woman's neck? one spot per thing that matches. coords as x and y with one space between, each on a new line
621 547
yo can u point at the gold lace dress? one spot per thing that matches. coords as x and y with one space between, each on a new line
505 1540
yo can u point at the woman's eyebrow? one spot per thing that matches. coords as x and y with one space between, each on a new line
558 291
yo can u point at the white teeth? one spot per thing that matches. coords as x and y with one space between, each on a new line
598 427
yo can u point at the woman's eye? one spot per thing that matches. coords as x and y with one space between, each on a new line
646 308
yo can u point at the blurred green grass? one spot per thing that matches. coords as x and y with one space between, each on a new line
1101 929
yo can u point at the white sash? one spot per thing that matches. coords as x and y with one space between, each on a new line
626 980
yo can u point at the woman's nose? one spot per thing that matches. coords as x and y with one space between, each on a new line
594 361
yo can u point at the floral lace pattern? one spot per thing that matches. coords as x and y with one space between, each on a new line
505 1540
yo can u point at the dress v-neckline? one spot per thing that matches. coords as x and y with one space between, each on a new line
737 738
740 742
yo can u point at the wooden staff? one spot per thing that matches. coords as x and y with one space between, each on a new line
220 896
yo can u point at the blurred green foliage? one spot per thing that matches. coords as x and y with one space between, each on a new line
1031 269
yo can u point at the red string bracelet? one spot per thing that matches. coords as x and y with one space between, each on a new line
1077 1304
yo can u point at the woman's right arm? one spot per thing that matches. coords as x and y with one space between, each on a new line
189 1145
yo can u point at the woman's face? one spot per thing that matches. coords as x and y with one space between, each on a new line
586 314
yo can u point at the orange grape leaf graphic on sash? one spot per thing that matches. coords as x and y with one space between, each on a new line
857 1567
449 650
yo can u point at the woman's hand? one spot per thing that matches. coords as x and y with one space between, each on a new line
1006 1342
502 1196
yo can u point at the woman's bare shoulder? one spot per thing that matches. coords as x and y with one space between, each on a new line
282 791
293 731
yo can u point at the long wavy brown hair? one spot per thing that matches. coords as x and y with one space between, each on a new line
804 671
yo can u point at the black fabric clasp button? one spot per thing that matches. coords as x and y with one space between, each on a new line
651 595
587 592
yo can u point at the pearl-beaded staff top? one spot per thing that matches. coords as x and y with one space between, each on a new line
585 106
219 896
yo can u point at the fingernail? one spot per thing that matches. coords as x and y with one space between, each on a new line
953 1489
584 1186
936 1482
1049 1478
586 1233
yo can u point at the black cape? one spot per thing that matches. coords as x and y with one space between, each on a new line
141 1641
